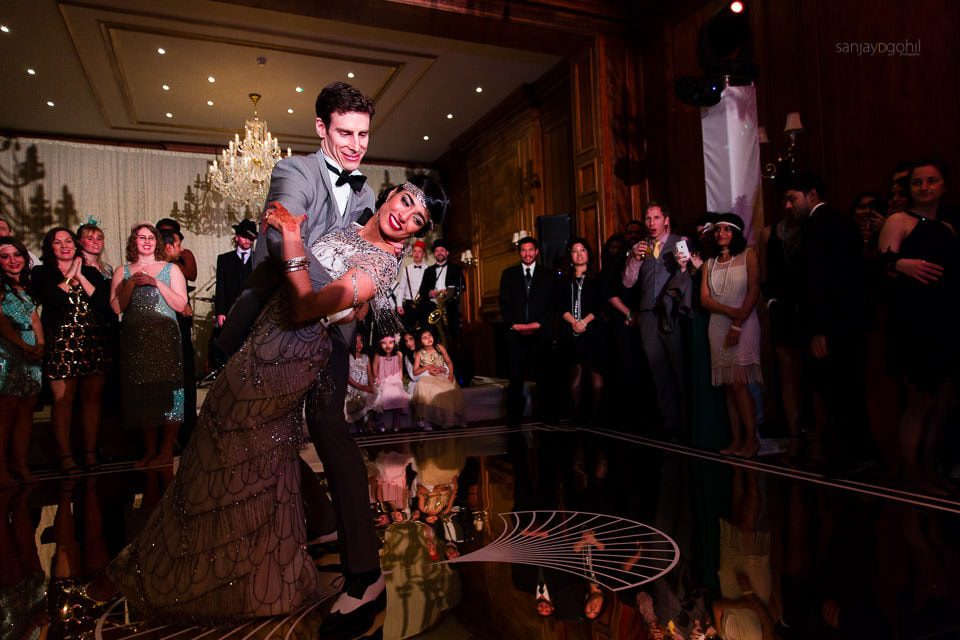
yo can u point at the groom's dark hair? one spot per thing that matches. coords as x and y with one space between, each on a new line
340 97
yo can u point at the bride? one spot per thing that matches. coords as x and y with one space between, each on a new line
228 539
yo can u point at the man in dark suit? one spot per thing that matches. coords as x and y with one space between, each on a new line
328 188
443 276
233 269
834 315
657 279
526 296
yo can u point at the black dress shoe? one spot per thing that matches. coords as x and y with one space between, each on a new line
356 611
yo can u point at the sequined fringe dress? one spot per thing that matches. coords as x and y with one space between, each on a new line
228 539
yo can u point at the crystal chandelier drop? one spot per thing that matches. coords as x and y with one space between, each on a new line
242 174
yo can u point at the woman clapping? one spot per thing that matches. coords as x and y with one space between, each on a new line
149 291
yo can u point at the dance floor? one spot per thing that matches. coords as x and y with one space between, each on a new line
670 537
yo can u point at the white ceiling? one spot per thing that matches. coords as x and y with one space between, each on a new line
98 63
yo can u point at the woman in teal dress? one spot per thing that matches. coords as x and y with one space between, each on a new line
149 292
21 356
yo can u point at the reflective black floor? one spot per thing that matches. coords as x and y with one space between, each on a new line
546 532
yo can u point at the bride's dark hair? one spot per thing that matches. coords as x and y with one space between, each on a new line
433 193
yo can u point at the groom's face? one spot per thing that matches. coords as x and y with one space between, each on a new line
345 140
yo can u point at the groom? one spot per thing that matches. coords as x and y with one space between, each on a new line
328 188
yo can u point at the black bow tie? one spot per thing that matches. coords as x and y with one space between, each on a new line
343 177
418 266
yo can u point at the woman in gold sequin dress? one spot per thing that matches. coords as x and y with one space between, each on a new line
228 540
76 320
149 292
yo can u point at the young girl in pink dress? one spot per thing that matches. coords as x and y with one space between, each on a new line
394 403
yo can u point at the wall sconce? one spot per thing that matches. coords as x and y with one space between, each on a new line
519 235
467 258
786 162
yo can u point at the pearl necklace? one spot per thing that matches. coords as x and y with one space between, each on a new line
713 274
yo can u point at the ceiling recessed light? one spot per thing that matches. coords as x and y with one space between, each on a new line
350 74
209 103
161 51
31 72
4 28
166 87
49 103
169 115
299 89
289 110
211 79
479 89
426 137
449 116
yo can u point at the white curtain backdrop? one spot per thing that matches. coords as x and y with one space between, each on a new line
731 156
48 183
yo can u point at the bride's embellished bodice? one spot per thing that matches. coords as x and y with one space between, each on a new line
343 250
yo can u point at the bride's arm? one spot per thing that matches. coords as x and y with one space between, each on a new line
350 290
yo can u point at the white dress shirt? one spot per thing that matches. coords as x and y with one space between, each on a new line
342 193
411 275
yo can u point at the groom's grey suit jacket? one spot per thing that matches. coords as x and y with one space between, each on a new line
302 185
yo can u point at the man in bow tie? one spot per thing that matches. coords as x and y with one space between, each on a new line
408 286
327 187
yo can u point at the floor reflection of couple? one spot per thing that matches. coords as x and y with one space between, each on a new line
228 540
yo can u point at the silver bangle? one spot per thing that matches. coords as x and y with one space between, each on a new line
296 262
296 267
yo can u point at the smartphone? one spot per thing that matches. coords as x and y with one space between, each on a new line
681 248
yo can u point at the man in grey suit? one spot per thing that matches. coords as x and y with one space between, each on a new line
327 187
655 274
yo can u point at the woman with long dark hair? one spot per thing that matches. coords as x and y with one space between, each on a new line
21 354
579 301
76 319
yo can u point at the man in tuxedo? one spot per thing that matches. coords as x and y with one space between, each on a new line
655 276
834 317
408 286
328 188
526 296
233 269
443 276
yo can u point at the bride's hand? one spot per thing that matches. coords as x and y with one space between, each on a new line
278 217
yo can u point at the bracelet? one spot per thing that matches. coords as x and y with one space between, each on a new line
734 327
297 261
356 290
296 267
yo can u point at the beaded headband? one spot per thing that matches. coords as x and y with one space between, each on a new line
729 224
416 192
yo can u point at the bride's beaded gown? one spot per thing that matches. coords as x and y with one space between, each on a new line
228 539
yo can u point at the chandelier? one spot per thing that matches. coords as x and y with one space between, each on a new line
243 173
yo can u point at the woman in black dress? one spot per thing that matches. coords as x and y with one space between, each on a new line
922 253
579 302
76 320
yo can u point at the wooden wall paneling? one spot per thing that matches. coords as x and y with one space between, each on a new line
617 132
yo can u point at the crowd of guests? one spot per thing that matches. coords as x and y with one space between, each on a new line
61 328
829 324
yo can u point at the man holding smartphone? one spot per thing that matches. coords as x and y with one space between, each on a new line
655 274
